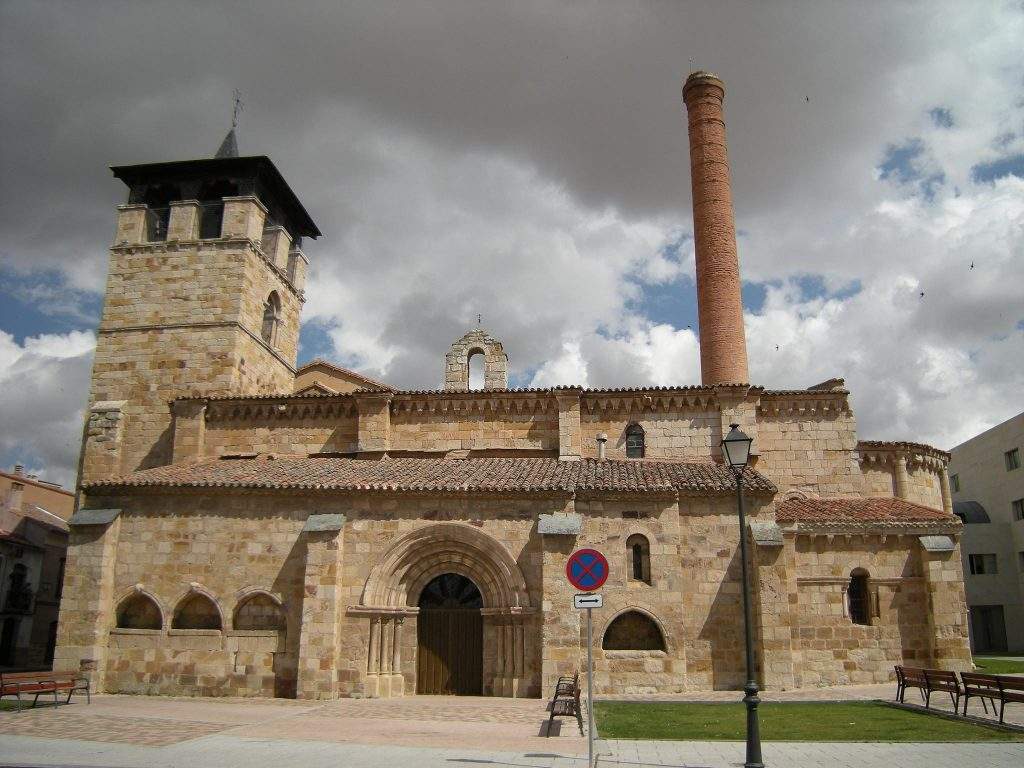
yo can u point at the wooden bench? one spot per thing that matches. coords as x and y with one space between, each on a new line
928 681
566 706
982 686
566 685
37 684
1011 691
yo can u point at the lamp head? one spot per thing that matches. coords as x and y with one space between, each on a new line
736 447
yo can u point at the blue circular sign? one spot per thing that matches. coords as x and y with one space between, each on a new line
587 569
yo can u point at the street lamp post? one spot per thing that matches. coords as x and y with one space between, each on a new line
736 447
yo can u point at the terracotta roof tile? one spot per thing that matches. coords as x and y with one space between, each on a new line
860 510
419 475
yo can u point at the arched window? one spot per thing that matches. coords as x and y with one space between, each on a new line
271 319
634 441
638 553
858 594
196 611
633 631
259 611
475 361
139 611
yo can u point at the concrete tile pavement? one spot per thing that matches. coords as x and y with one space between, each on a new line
227 751
421 732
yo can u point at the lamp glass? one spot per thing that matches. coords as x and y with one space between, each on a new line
736 446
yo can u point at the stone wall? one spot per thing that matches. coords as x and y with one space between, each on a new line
685 433
832 649
181 318
301 428
811 450
174 547
484 427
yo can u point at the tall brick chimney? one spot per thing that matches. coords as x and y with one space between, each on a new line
723 346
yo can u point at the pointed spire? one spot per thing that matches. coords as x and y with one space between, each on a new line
229 147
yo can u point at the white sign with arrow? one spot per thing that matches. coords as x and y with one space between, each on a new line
580 602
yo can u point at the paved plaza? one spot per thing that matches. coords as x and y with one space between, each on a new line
420 731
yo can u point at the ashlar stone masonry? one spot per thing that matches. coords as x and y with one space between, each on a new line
248 528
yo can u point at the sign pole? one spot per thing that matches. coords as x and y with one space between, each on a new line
590 688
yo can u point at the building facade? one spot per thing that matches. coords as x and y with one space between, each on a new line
248 528
988 496
33 547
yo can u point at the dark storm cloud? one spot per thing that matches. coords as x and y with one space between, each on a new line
529 161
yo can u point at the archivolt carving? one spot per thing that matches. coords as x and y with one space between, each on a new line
415 559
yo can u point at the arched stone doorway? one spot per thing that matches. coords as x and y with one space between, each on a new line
449 635
403 576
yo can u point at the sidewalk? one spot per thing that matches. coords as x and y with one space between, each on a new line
234 752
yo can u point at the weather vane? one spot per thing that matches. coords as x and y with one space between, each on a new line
239 106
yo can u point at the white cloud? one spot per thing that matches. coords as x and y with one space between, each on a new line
45 382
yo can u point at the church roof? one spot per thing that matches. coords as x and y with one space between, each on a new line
496 475
858 510
319 362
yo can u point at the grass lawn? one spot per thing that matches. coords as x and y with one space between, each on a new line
991 665
788 721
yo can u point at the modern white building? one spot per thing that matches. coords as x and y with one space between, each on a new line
987 480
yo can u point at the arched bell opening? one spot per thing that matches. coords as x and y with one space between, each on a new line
449 635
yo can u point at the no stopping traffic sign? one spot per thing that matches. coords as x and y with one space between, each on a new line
587 569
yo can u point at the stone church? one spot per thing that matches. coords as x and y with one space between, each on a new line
248 527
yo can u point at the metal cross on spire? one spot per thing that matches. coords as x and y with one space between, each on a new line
478 320
239 106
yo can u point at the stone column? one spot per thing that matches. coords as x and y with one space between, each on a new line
189 430
372 687
723 346
560 624
318 642
87 605
374 414
947 604
570 441
131 225
902 479
775 592
397 678
276 245
947 495
244 217
103 441
184 220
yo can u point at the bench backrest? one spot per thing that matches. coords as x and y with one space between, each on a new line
979 681
22 677
913 676
1012 688
942 680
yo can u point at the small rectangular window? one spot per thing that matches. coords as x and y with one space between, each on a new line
1012 459
983 564
954 483
1018 509
1020 556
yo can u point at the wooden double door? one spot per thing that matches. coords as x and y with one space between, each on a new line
449 632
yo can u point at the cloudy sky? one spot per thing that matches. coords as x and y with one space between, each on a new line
528 161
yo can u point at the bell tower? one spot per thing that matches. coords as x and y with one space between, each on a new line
203 297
